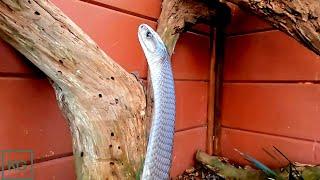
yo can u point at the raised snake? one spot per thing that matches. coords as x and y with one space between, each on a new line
158 158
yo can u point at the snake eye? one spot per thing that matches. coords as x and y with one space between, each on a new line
149 35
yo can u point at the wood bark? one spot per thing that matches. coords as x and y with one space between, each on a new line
104 104
178 15
300 18
225 169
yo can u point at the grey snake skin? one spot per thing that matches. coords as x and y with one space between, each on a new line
158 158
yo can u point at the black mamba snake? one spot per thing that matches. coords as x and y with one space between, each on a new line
158 158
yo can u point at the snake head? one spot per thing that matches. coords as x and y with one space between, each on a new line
151 43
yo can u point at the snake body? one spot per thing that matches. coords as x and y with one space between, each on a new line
158 158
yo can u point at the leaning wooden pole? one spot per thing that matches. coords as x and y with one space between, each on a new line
104 104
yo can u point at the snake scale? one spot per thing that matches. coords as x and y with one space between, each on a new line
158 158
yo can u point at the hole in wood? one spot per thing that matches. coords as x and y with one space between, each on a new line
116 100
37 13
110 146
112 78
100 95
119 147
60 61
81 154
111 163
112 134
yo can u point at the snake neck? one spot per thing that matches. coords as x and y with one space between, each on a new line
158 158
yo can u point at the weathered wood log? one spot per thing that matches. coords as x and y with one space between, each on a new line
225 169
104 104
178 15
300 19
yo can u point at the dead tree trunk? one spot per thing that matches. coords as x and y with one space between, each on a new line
300 18
104 104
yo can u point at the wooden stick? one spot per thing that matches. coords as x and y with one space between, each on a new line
218 88
211 93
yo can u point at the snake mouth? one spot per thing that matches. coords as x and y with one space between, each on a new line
143 27
146 38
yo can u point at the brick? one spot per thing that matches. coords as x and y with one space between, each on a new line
31 119
150 8
269 56
12 62
203 28
290 110
62 169
244 22
186 143
191 104
116 34
254 144
191 59
113 31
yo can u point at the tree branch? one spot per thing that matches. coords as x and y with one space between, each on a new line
300 19
179 15
104 104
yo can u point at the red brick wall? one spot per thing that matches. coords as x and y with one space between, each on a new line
271 94
30 118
